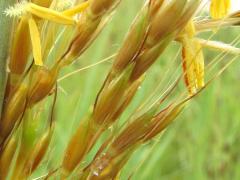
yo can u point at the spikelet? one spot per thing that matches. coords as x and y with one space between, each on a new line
19 56
38 153
163 119
133 41
101 7
6 157
28 140
111 97
12 111
108 170
173 19
42 82
75 151
89 25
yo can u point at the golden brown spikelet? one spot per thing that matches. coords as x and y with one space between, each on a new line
133 41
88 25
41 84
133 133
75 151
159 23
38 152
85 32
20 48
111 97
6 157
127 98
100 7
108 170
163 119
14 108
167 17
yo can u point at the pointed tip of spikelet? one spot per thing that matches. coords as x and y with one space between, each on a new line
16 10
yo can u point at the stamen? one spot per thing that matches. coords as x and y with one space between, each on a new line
76 9
219 8
36 42
49 14
192 59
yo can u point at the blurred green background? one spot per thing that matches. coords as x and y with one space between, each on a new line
203 143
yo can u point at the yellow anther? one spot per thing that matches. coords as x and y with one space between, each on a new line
36 42
219 8
49 14
29 10
193 60
76 9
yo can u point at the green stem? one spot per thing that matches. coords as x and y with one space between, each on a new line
5 24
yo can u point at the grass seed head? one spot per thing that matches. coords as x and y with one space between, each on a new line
134 132
17 10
